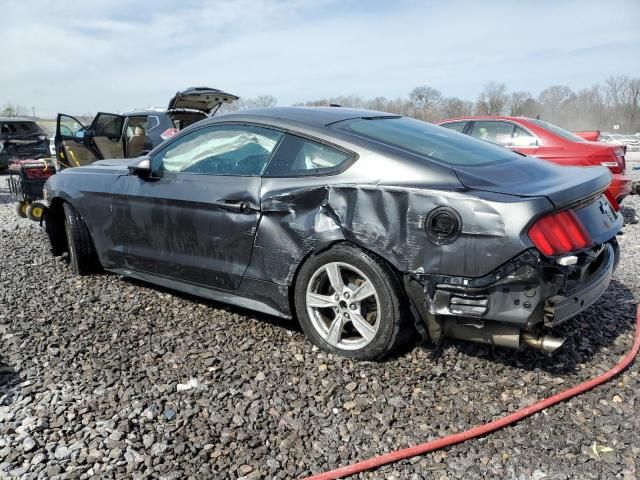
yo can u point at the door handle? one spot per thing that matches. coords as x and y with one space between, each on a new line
240 206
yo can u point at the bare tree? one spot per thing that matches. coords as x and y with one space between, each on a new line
425 100
14 110
616 101
261 101
453 107
520 103
492 100
555 95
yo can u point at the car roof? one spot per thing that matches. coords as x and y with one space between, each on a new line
486 117
316 116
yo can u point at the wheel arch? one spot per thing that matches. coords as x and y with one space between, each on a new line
54 226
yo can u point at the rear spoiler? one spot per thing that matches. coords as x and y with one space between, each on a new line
590 135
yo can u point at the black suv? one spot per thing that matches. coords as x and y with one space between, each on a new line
21 139
131 134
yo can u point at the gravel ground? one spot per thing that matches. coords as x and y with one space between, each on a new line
103 377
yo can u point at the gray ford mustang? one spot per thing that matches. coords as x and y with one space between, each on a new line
363 225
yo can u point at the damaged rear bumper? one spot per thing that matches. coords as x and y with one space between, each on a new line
526 294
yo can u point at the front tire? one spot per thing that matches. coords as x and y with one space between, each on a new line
349 302
82 253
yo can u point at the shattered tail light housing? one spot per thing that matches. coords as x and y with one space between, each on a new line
559 233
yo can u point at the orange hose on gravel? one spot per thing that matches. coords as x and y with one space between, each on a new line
487 427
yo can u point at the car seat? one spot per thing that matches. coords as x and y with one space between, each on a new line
136 142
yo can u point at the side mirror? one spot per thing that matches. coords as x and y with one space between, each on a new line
141 169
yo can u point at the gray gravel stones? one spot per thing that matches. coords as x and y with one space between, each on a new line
89 368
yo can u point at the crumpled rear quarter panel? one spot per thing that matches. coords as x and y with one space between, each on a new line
389 221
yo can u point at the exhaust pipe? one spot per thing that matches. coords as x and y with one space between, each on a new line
545 343
500 335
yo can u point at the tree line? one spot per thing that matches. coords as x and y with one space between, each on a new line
616 101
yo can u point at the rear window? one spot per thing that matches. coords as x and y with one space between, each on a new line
561 132
18 128
427 140
456 126
182 120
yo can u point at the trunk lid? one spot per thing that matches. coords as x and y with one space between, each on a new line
532 177
203 99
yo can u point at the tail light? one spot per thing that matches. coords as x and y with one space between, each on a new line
168 133
37 173
613 160
559 233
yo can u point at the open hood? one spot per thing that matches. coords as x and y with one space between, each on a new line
204 99
532 177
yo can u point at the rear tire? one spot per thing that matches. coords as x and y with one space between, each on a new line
82 253
349 302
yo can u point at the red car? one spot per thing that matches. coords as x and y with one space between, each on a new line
549 142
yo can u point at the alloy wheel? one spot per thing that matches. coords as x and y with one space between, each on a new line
343 306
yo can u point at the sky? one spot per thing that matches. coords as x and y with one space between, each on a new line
114 55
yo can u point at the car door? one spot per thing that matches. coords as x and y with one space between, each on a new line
77 145
196 217
105 135
71 150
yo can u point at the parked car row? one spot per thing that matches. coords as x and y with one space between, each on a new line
631 142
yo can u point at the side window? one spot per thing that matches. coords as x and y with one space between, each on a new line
494 132
298 156
522 138
152 122
108 125
456 126
235 150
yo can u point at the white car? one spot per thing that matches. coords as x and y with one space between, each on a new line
630 141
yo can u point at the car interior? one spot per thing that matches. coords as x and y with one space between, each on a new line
136 139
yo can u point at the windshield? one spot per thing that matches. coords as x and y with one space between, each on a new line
561 132
427 140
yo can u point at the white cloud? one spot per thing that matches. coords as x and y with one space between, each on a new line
105 55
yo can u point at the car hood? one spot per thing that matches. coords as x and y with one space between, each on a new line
532 177
204 99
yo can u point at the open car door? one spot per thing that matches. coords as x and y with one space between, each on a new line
105 135
77 145
204 99
71 150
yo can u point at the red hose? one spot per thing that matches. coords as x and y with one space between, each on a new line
487 427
